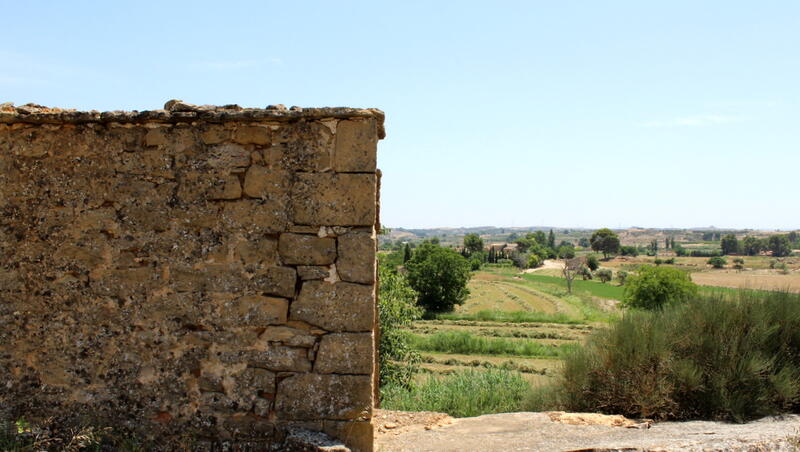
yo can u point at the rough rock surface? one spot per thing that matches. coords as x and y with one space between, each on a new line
172 273
538 432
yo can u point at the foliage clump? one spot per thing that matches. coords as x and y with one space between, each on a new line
440 276
716 357
397 308
654 287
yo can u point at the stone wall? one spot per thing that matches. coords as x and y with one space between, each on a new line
192 275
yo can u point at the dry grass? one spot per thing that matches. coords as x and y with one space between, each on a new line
749 279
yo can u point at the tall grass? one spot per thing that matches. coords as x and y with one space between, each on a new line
513 317
462 394
722 356
468 344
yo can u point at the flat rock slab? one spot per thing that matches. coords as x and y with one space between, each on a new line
537 432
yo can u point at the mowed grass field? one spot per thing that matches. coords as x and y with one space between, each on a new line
518 322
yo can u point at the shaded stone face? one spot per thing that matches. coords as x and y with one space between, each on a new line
201 271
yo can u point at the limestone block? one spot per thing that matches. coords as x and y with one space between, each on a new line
278 281
250 216
337 307
156 137
256 310
288 336
225 187
125 283
316 396
215 134
334 199
253 381
303 146
228 156
259 135
307 272
279 358
345 353
299 249
265 183
357 436
263 251
356 257
356 146
217 402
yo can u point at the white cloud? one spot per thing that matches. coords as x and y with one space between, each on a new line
696 121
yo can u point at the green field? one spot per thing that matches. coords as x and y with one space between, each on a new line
518 322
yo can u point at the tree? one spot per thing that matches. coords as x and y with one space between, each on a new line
592 262
406 253
654 287
551 240
566 252
572 267
473 243
622 275
793 237
397 308
534 261
779 245
718 262
752 246
583 242
605 241
440 276
729 244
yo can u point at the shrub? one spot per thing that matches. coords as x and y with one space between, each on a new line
670 261
629 251
604 275
592 262
658 261
585 272
461 394
724 357
622 275
718 262
396 308
738 263
654 287
534 261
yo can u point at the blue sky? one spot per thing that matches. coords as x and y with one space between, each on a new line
575 113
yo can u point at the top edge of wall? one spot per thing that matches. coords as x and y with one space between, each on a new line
177 111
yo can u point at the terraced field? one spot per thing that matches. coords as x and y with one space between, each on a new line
491 330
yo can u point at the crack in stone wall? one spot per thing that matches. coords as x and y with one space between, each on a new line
198 274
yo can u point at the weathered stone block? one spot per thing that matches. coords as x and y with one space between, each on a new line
356 257
306 272
225 187
280 358
356 146
345 353
266 183
263 251
315 396
299 249
215 134
156 137
259 135
228 157
303 146
278 281
334 199
250 216
339 306
254 381
256 310
286 335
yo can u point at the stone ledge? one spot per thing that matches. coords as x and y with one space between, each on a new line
176 111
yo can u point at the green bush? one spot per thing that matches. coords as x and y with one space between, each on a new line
653 287
592 262
534 261
725 357
604 275
461 394
440 276
622 276
396 309
717 262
